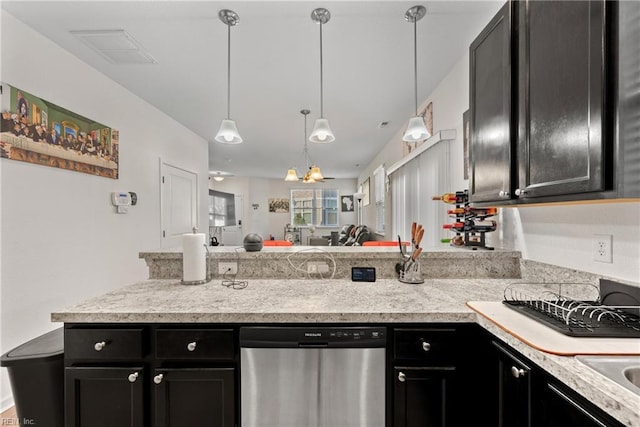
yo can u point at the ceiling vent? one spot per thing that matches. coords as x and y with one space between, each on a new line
117 46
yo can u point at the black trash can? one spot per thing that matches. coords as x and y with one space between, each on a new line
36 373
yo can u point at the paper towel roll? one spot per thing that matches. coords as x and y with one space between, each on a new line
194 259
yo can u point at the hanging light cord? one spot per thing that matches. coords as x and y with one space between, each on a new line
415 62
321 86
228 72
306 148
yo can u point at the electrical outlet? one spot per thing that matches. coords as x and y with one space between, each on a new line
602 248
317 267
228 267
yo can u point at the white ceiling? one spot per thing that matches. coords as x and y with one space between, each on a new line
275 69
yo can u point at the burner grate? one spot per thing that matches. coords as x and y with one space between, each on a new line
584 317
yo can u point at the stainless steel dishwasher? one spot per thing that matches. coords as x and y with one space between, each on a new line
313 377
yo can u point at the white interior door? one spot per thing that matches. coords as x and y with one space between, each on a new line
179 200
232 235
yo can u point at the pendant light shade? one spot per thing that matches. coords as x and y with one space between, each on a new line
292 175
321 132
416 130
228 132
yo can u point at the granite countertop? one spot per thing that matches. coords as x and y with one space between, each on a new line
341 301
287 301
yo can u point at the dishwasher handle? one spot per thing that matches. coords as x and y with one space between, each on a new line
313 344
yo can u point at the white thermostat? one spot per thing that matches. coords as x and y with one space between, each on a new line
121 199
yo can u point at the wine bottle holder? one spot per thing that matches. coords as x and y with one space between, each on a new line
473 239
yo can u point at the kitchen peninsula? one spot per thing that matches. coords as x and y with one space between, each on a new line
285 262
160 307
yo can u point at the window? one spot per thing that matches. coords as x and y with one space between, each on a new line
314 207
379 181
222 209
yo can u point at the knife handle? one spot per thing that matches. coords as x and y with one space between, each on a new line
419 236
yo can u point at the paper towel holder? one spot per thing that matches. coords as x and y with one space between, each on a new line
207 277
207 273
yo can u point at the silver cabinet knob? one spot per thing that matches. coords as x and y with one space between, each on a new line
158 378
426 346
133 377
191 346
99 346
517 373
402 377
520 192
503 194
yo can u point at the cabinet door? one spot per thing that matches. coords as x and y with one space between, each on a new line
424 397
194 397
561 92
563 409
104 397
491 110
514 390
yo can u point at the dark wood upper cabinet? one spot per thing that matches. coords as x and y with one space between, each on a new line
562 98
552 103
491 110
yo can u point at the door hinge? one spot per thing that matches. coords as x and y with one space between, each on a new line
163 179
163 234
0 89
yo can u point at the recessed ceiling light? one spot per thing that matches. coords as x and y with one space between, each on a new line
117 46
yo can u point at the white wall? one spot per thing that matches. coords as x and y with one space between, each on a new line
559 235
259 191
61 240
450 100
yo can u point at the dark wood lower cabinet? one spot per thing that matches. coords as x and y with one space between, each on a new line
194 397
530 397
563 408
444 375
424 397
104 397
514 390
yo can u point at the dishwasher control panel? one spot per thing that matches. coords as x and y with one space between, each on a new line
299 337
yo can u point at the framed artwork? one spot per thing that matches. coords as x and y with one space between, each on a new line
365 190
279 205
70 142
466 129
346 202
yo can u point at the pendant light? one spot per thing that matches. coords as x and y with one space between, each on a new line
321 132
228 133
314 174
416 131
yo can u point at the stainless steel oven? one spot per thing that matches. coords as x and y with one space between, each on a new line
312 377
